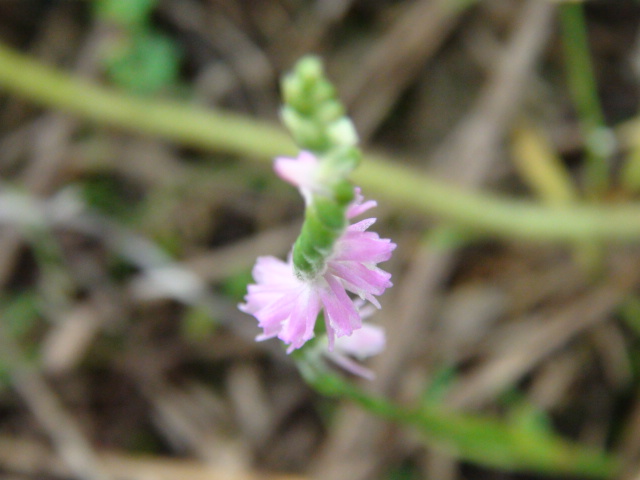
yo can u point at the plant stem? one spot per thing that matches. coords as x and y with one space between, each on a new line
237 134
186 124
488 441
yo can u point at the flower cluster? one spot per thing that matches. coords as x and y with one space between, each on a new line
287 304
332 268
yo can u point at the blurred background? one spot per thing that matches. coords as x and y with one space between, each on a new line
123 255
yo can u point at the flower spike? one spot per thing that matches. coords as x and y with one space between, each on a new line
332 269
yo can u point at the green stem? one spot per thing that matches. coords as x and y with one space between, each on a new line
584 91
324 222
238 134
315 118
494 215
186 124
507 445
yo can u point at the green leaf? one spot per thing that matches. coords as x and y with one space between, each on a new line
128 13
150 64
235 286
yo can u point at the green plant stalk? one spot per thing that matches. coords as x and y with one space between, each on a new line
487 441
186 124
401 186
318 235
316 120
584 91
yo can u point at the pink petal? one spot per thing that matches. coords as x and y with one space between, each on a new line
361 280
364 247
366 342
339 309
299 327
300 171
362 225
272 270
350 366
275 313
356 209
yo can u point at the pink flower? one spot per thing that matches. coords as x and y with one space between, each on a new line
357 252
303 172
311 175
366 342
287 306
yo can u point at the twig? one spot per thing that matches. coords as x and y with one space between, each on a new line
474 142
384 73
535 346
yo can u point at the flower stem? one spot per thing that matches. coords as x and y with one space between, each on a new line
316 119
233 133
508 445
324 222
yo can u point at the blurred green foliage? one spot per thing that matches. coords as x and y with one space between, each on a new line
439 385
406 471
140 59
128 13
20 313
235 286
145 65
630 313
197 324
107 195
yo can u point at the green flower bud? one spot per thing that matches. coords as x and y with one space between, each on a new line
293 92
307 133
330 111
310 69
324 223
323 92
342 132
330 213
343 192
341 162
303 266
316 119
